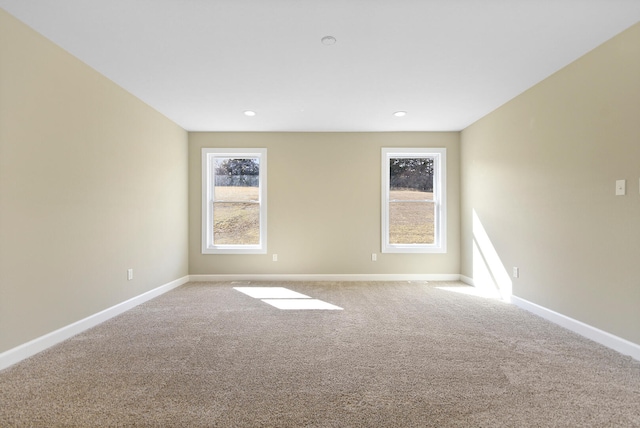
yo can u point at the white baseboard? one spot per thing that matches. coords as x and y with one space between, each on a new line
327 277
602 337
26 350
467 280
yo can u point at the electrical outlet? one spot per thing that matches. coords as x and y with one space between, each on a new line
129 274
516 272
275 257
374 257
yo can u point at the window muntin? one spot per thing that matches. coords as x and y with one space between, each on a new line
234 201
413 200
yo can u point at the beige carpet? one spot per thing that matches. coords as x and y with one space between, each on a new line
399 355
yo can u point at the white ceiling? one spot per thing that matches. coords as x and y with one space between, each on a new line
446 62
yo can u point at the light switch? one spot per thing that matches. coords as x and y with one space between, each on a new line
621 187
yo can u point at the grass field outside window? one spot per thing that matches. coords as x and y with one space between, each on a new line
236 223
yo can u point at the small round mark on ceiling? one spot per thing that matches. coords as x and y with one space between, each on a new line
328 40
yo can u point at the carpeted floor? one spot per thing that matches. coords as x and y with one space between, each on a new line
398 355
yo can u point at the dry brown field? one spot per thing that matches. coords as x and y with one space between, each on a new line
411 222
236 223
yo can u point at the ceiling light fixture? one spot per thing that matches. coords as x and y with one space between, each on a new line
249 113
400 113
328 40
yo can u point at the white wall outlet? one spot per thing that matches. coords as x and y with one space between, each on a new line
129 274
275 257
374 257
516 272
621 187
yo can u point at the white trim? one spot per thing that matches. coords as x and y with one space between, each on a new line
325 277
26 350
467 280
439 156
208 246
609 340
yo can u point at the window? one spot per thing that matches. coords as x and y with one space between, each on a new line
413 200
234 201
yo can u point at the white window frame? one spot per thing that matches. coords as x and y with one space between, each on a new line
208 182
439 189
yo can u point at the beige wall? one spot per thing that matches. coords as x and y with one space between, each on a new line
540 174
324 204
92 182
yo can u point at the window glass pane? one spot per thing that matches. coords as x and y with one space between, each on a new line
414 200
234 200
411 179
236 223
411 222
411 173
237 179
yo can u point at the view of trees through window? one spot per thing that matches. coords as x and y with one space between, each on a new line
236 207
411 201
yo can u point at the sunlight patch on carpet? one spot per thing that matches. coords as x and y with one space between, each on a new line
271 293
473 291
285 299
305 304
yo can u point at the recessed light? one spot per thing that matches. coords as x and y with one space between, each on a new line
328 40
249 113
400 113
